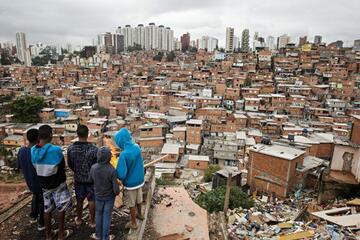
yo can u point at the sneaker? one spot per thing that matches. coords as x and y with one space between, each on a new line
93 236
40 227
33 220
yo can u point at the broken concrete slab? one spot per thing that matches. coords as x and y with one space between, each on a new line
340 216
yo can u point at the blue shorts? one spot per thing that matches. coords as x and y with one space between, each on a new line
84 190
58 198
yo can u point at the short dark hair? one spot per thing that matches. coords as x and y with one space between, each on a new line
82 131
32 135
45 132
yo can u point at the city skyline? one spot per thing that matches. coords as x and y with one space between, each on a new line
199 19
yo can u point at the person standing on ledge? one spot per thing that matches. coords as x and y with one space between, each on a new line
49 163
25 165
81 156
130 170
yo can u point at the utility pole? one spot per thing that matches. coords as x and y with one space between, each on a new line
227 193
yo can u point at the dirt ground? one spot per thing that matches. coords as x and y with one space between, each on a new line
10 193
18 227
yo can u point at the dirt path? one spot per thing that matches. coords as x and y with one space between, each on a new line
18 227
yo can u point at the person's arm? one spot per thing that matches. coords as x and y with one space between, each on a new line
91 175
18 161
115 185
121 168
70 161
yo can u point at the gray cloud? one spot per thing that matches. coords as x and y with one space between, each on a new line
78 21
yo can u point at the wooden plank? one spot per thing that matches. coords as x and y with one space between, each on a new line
155 161
297 235
14 209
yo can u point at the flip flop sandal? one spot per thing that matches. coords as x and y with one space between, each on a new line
67 233
78 222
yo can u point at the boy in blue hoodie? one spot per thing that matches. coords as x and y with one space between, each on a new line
130 170
49 164
25 165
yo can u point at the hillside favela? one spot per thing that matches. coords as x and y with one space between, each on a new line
179 120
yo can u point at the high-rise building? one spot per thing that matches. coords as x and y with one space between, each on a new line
229 41
139 37
245 37
185 42
162 37
283 40
108 40
208 43
118 41
270 42
356 45
169 39
302 40
23 52
317 39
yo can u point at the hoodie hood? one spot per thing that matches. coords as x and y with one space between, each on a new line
38 153
103 155
47 154
123 138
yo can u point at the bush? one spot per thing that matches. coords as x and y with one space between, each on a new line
210 171
213 201
164 182
27 109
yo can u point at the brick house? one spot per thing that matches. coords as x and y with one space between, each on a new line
272 168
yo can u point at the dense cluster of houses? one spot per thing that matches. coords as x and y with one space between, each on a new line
287 120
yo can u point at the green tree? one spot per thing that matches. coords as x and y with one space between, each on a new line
136 47
193 50
213 201
158 57
27 109
210 171
170 56
5 59
104 111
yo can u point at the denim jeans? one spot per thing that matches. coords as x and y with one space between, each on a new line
37 207
103 208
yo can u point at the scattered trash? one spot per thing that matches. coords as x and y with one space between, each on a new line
297 217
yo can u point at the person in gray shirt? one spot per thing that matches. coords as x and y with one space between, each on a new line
104 177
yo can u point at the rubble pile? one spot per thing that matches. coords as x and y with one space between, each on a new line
288 219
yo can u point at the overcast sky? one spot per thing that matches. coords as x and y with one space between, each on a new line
79 21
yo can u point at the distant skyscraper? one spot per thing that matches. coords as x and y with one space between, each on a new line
357 45
270 42
245 37
118 41
169 39
140 35
302 40
23 52
108 42
317 39
208 43
162 37
283 40
185 42
229 41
